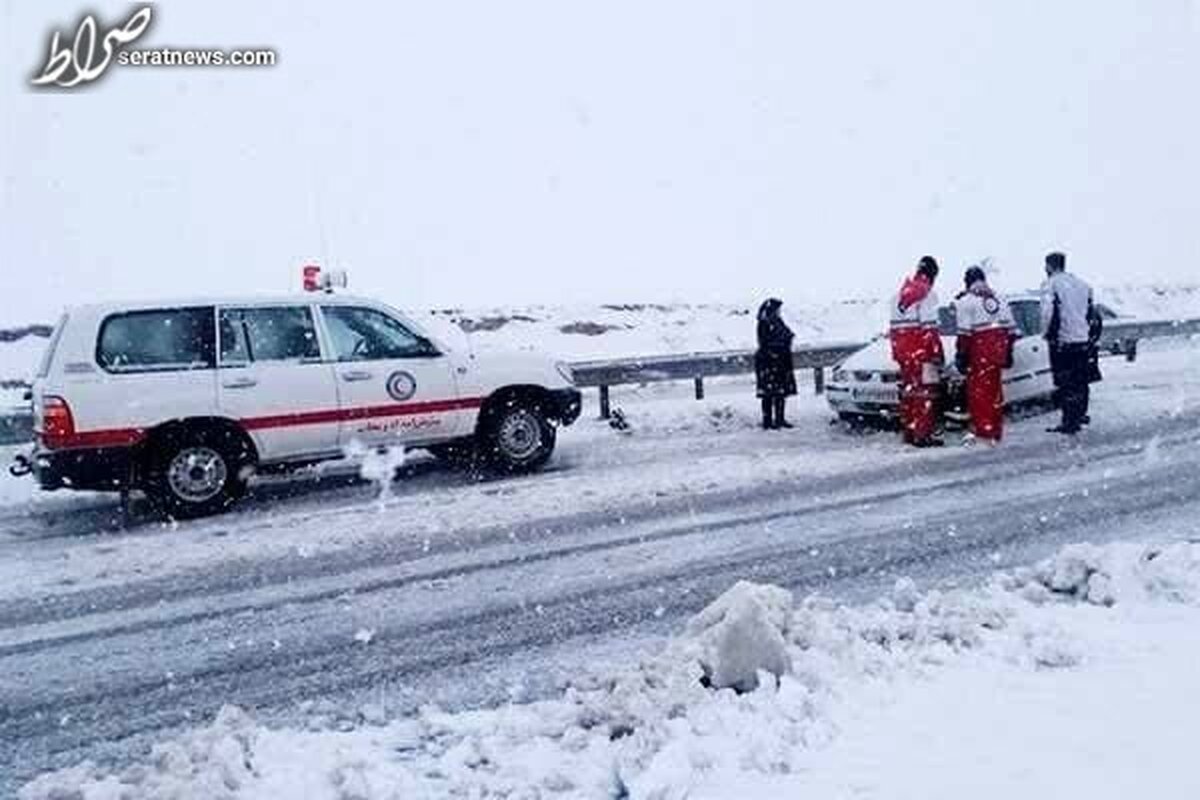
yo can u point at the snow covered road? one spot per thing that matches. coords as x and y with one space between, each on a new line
469 593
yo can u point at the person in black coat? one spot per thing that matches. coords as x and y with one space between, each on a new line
774 369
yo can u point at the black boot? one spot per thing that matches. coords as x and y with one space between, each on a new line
768 413
780 422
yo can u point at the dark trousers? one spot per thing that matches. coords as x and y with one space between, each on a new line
772 411
1072 376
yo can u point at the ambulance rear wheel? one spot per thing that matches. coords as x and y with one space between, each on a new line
192 473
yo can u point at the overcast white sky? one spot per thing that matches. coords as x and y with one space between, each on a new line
477 153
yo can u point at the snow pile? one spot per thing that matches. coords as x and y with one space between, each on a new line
664 729
741 635
1106 575
214 762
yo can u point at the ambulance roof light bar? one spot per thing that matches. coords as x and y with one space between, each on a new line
317 281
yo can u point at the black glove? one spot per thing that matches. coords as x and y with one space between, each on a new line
962 361
1095 325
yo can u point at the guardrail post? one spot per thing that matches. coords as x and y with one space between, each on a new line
605 409
1131 346
699 388
819 379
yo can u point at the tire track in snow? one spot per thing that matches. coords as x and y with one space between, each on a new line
340 666
524 552
241 575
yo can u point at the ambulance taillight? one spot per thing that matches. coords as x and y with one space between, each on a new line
55 425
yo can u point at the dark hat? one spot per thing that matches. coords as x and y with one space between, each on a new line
974 274
928 266
1056 261
769 308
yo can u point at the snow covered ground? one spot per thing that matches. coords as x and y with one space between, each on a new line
676 448
338 615
1071 678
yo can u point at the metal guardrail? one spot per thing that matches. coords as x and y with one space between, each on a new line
698 366
15 427
1154 329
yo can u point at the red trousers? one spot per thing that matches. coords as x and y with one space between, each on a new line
985 399
987 353
918 402
912 349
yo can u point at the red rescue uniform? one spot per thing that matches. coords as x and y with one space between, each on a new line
985 340
917 348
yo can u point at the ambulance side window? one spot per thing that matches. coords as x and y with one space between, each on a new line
269 333
156 340
364 334
232 337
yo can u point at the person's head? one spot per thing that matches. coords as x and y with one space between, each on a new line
973 276
928 267
770 307
1055 262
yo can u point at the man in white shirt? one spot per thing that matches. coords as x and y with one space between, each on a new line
1067 310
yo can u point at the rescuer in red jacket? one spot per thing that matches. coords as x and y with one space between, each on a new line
917 348
984 349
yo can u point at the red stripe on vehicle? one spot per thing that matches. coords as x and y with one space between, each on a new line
114 437
126 437
362 412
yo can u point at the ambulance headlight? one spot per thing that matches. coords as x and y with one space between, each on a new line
564 369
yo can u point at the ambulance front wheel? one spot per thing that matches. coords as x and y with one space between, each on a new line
518 436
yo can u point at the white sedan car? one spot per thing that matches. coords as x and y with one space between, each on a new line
867 384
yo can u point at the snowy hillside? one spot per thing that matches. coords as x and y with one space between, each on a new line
611 331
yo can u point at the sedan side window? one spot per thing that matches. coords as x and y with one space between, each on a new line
270 333
1028 316
364 334
948 321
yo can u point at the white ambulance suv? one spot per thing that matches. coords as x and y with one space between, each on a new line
185 400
